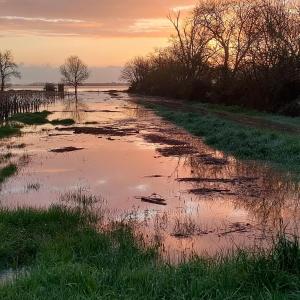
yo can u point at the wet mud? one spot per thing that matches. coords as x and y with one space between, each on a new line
65 149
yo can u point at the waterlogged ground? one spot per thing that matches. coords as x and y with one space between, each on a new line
179 192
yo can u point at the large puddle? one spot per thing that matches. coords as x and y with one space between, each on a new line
185 195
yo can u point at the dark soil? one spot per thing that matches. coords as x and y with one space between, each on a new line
153 199
66 149
91 123
102 111
210 160
176 151
219 180
107 130
160 139
207 191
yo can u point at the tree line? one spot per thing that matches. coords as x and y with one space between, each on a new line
74 71
244 52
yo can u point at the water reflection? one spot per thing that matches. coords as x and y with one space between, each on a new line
75 109
213 200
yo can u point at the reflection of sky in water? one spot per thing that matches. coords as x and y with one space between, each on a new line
124 169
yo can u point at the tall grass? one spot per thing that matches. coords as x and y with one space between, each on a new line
67 258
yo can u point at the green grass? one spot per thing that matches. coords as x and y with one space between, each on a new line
8 131
65 122
7 171
242 111
39 118
36 118
281 150
5 157
66 258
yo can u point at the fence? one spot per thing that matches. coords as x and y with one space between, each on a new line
13 102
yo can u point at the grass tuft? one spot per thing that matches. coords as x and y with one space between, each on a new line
68 258
8 131
39 118
36 118
7 171
65 122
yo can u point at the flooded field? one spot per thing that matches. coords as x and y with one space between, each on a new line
181 193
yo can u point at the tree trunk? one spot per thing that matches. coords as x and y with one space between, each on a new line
2 85
76 93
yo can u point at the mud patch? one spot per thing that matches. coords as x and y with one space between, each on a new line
102 111
153 199
207 159
58 134
160 139
66 149
208 191
238 180
107 130
91 123
16 146
176 151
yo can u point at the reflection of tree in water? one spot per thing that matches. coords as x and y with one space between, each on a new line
75 109
269 197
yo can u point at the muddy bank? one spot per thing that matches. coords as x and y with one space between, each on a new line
163 140
65 149
107 130
238 180
176 151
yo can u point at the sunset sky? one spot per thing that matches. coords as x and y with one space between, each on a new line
104 33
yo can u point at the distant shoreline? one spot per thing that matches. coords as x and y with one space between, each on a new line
37 84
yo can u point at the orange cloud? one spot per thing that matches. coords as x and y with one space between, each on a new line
102 32
90 17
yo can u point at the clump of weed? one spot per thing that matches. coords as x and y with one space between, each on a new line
40 118
33 186
9 130
7 171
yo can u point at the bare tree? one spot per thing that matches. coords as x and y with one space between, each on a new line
74 72
8 68
135 71
190 45
229 51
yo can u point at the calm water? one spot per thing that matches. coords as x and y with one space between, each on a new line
80 89
213 202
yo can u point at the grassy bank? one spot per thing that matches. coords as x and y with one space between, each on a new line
36 118
40 118
244 142
9 130
262 118
62 256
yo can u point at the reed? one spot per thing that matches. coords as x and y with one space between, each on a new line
15 102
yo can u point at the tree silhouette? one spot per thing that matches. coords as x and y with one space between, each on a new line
74 72
8 68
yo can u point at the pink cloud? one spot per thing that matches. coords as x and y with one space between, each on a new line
108 18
